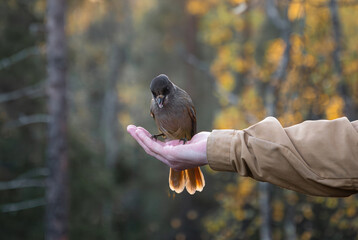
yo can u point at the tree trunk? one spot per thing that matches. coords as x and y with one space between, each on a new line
110 108
289 224
265 211
270 102
337 66
57 182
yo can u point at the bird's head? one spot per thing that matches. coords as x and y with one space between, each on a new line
161 88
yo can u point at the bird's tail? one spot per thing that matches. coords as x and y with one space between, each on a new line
194 180
177 180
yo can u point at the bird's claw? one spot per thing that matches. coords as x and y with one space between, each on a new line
184 140
157 135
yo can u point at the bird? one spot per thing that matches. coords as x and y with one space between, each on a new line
174 113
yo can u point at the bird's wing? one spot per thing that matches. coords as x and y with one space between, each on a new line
192 114
191 109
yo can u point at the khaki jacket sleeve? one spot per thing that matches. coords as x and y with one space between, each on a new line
315 157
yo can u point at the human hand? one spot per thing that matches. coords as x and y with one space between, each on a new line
173 153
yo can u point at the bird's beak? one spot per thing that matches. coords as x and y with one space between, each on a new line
160 100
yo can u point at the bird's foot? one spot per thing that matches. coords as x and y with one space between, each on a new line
157 135
184 140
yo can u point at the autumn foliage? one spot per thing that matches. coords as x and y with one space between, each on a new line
248 51
240 61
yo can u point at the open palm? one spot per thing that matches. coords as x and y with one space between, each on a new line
173 153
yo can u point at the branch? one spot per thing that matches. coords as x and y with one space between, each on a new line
280 72
31 91
17 57
38 172
13 207
26 120
21 183
337 35
274 15
283 24
342 87
23 180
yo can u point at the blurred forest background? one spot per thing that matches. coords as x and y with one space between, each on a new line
239 60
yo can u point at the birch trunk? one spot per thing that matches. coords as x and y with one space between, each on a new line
57 182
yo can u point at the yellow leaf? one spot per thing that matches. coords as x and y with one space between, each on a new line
307 211
239 214
309 60
309 94
227 81
238 65
252 103
229 118
295 11
296 49
306 235
237 1
351 67
278 211
246 186
40 6
289 118
225 54
217 67
197 7
335 108
331 203
220 35
275 51
351 211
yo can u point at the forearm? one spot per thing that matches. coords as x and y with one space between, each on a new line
316 157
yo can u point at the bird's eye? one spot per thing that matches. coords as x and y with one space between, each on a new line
166 91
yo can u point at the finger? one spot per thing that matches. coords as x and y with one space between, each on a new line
145 131
136 137
131 129
153 145
148 149
148 136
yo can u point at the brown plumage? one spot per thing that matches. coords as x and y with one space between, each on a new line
175 116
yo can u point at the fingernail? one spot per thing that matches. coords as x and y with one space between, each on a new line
131 128
140 133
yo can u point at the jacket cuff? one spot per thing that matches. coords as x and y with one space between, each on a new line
218 150
355 125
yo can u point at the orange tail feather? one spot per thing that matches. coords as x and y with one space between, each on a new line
194 180
177 180
200 181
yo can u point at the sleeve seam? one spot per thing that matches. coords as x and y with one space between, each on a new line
230 151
